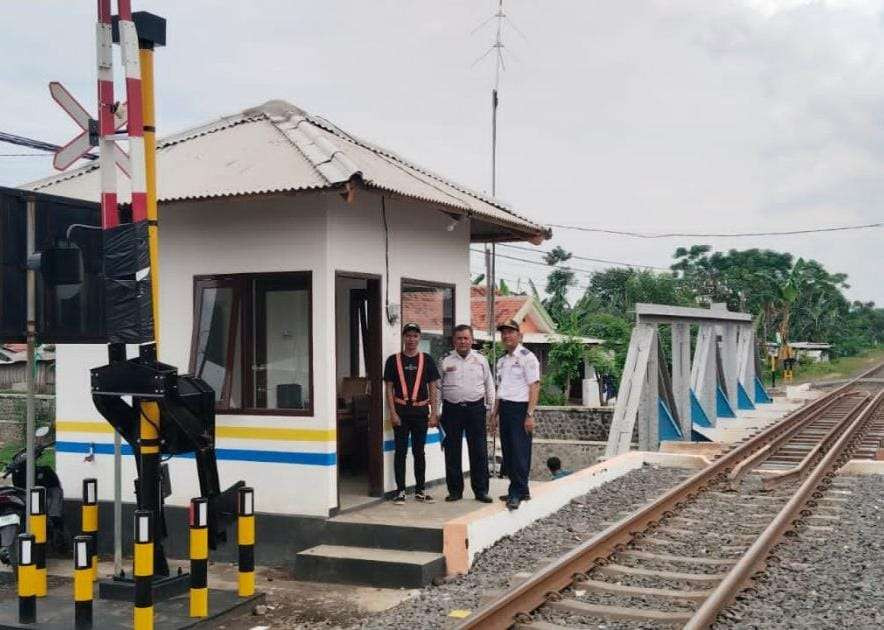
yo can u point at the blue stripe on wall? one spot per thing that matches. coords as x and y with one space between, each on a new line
223 454
432 438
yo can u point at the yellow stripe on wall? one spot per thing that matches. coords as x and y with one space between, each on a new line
83 427
242 433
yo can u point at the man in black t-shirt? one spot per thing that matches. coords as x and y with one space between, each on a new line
412 387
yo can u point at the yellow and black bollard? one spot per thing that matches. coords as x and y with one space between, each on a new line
199 557
143 570
83 576
89 521
37 526
27 580
245 534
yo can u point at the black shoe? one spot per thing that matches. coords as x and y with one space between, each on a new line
451 498
423 497
484 498
399 499
506 497
512 505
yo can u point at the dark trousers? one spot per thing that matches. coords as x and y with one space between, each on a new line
515 442
417 428
457 420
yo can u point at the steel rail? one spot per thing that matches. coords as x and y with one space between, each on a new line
520 600
804 465
755 556
764 453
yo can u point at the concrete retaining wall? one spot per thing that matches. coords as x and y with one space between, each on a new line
12 415
575 455
587 424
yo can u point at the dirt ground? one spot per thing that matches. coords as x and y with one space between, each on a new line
293 604
288 603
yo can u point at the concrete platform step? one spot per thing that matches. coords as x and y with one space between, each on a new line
369 566
382 536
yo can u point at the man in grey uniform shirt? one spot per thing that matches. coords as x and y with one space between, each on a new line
468 395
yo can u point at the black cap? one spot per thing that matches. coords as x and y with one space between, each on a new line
510 323
411 326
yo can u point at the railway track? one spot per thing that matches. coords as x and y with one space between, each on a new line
682 559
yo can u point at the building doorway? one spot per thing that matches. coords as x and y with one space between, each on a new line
360 422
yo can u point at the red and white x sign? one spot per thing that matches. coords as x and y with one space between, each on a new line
82 143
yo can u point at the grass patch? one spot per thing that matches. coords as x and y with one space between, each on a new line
8 450
844 367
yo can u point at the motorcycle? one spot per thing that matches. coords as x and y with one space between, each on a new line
13 502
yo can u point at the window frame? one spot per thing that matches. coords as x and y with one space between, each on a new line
243 314
431 284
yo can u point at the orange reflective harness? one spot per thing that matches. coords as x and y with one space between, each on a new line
412 400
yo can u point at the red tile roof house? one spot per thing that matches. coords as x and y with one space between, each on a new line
537 327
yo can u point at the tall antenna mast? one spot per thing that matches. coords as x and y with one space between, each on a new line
499 65
490 250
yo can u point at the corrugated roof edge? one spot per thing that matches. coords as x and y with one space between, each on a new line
279 112
387 153
182 136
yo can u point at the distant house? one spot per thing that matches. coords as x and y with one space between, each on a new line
13 367
535 323
814 351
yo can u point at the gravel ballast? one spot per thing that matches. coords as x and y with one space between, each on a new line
529 549
824 579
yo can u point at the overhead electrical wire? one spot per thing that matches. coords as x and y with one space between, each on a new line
521 284
560 266
538 262
586 258
649 235
539 281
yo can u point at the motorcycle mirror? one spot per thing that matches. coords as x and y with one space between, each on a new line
42 432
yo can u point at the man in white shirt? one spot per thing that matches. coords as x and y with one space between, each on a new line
518 388
467 394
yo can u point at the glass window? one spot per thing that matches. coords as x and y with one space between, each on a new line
213 337
251 341
430 306
282 344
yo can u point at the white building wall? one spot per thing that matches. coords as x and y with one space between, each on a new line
420 248
289 460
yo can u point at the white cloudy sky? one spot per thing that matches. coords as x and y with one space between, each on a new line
697 116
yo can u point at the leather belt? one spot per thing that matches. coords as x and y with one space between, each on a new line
471 403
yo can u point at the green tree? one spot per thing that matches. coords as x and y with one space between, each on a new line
862 328
558 282
748 280
617 290
615 331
